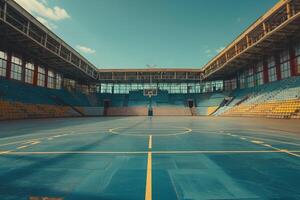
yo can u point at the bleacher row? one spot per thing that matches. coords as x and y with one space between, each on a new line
280 99
278 109
16 110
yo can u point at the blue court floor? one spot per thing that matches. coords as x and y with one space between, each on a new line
184 158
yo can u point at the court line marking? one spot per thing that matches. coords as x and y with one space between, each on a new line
261 143
244 137
146 152
185 130
4 152
46 138
275 140
148 193
265 132
150 142
29 144
22 147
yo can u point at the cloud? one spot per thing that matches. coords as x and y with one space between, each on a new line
218 50
46 23
40 7
86 50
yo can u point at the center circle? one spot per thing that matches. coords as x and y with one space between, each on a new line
145 132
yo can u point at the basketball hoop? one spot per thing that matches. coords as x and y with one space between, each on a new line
150 92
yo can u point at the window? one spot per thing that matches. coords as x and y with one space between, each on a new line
272 74
51 79
58 81
284 56
272 69
16 68
3 63
285 70
259 74
242 80
41 77
285 64
29 73
249 77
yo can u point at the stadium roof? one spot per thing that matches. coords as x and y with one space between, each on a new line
22 31
150 74
272 32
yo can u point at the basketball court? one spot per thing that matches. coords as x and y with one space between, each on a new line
150 158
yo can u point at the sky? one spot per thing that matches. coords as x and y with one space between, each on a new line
141 33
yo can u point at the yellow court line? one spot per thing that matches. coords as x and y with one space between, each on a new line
148 194
150 142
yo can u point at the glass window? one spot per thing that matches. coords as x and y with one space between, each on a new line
16 68
272 74
16 60
284 56
242 80
285 70
271 62
259 67
51 79
58 81
29 73
3 55
3 63
41 77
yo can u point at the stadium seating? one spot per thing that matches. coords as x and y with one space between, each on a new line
171 111
280 99
209 103
22 101
127 111
16 110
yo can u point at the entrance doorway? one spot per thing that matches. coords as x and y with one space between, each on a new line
106 105
190 103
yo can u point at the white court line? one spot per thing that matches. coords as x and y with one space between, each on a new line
22 147
146 152
4 152
150 142
261 143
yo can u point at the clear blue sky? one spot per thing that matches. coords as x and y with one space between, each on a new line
166 33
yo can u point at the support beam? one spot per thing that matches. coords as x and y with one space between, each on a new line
28 28
248 41
265 28
46 77
265 71
45 41
23 69
293 61
289 10
35 74
5 11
